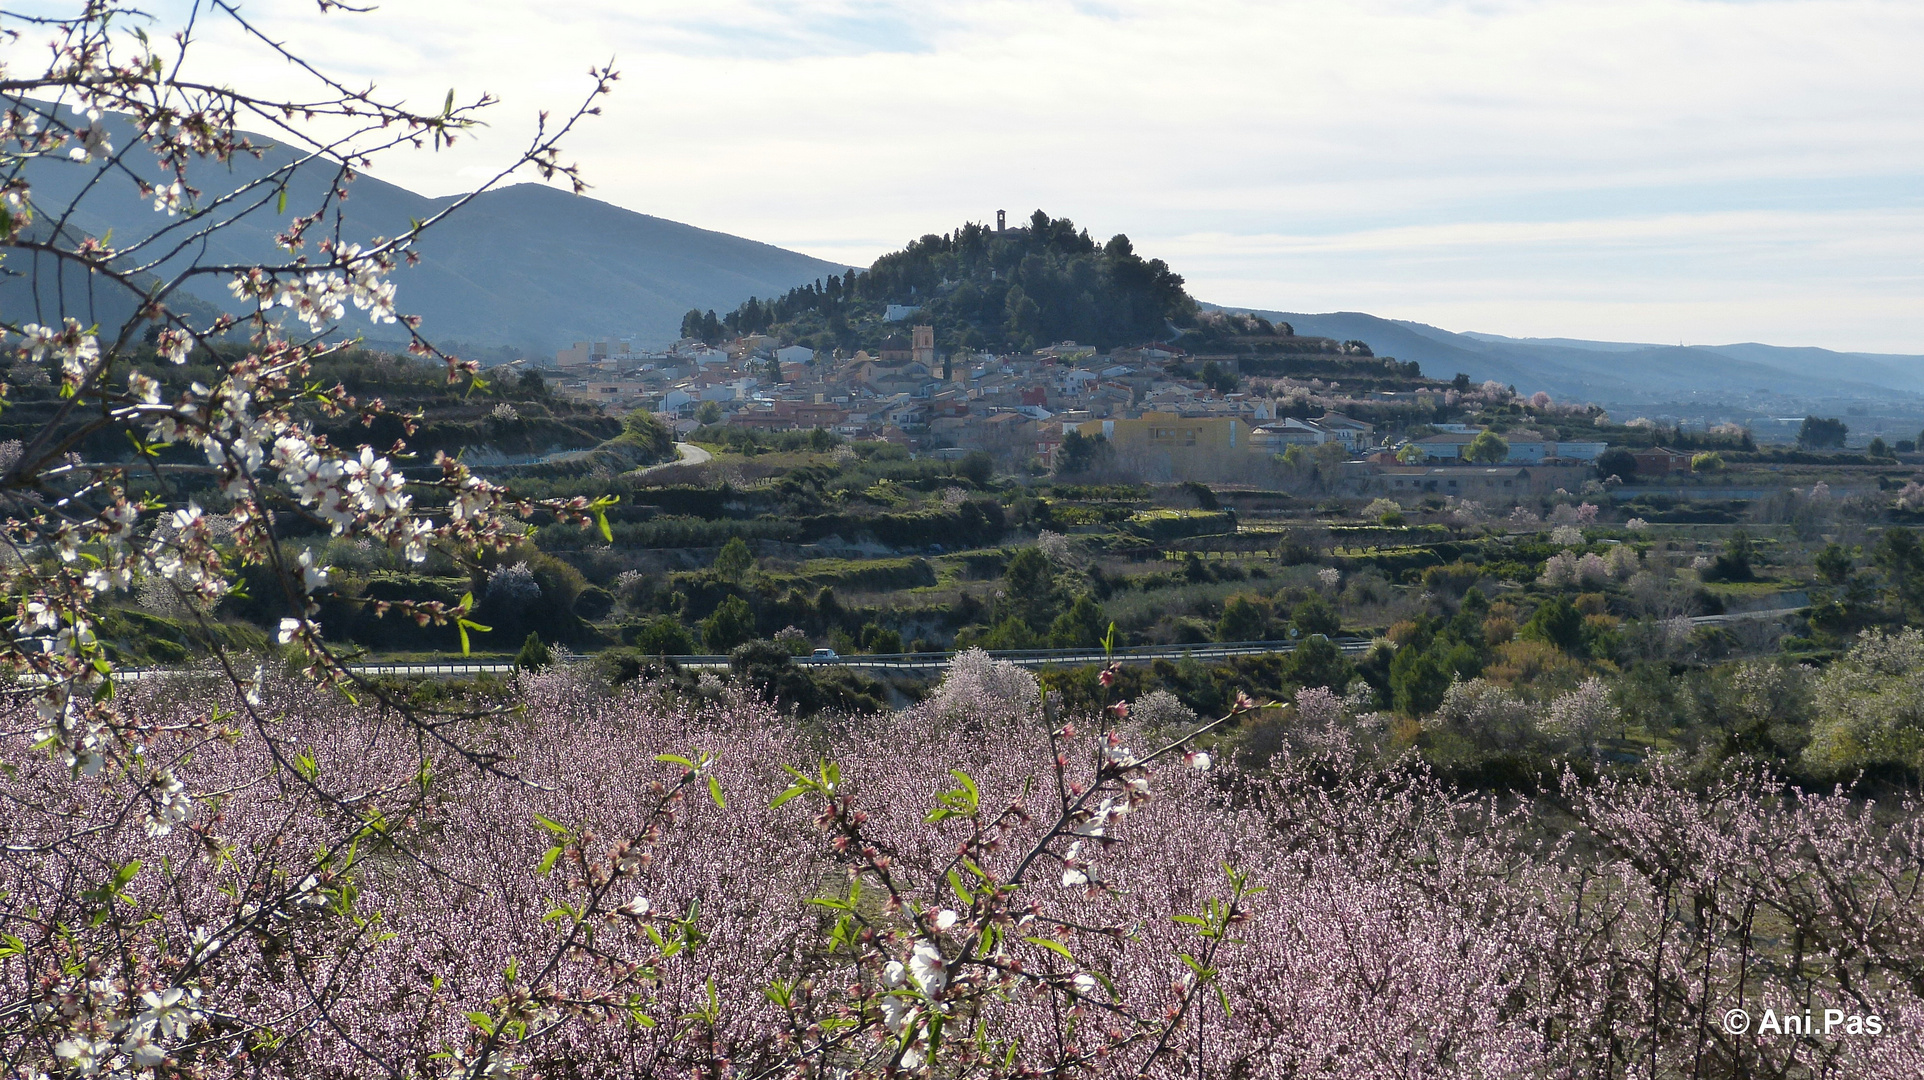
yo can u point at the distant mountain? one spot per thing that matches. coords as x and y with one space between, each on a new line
1627 374
534 266
526 267
531 268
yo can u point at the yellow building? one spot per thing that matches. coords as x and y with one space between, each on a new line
1181 446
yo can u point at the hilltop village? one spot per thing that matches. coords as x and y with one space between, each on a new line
1157 411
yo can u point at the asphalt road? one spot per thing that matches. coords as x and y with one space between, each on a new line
1744 616
929 663
911 662
939 661
690 454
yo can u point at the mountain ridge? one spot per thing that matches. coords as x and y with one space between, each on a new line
525 266
1627 374
530 268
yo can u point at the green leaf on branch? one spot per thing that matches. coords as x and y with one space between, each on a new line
1053 946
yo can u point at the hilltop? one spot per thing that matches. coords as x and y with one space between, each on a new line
527 269
980 288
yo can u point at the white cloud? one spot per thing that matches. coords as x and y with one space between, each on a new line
1502 163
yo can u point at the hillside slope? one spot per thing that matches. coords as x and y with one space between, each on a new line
527 266
1626 374
536 266
982 288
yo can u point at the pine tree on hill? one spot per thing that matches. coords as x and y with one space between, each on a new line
982 289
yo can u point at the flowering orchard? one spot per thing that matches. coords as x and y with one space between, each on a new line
244 872
679 886
205 475
112 104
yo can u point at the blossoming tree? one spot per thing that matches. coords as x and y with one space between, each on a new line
81 528
235 871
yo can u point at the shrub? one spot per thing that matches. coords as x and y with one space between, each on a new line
977 681
1487 448
594 603
1556 622
1488 717
1380 510
1870 707
879 639
1525 663
659 636
1315 616
976 467
1591 570
1009 633
1617 461
1583 715
793 639
534 654
1559 571
649 436
512 588
731 624
733 560
1418 681
769 670
1242 620
1080 627
1734 563
1317 661
1453 579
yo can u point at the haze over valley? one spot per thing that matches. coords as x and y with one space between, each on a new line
528 269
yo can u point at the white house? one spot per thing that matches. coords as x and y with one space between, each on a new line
1581 451
704 355
1346 430
1281 434
729 391
1525 450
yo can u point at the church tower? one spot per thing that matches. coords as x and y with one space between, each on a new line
922 344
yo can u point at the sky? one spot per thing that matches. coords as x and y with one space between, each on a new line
1697 171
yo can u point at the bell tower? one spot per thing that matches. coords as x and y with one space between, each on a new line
922 346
